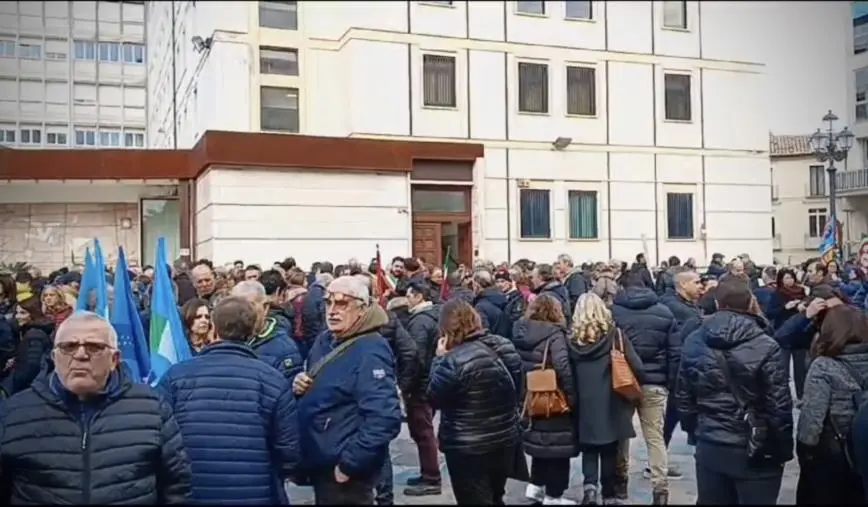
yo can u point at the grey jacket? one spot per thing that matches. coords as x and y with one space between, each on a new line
829 389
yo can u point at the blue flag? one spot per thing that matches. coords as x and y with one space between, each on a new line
829 242
125 319
101 307
167 338
88 283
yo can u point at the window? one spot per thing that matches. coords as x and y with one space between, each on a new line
581 91
110 138
109 52
135 53
278 109
679 215
579 10
530 7
817 182
816 222
31 136
438 81
30 51
675 14
583 214
7 48
134 139
535 209
55 138
677 99
281 15
7 136
278 61
860 34
533 87
85 50
862 94
85 137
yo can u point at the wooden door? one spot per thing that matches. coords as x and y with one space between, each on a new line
465 244
426 242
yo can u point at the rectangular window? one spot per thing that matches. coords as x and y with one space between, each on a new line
579 10
280 15
679 215
533 87
675 14
860 34
817 185
816 222
535 209
134 139
530 7
280 61
31 136
677 98
109 52
278 109
110 138
30 51
85 137
134 53
581 91
583 214
85 50
55 138
438 81
7 136
862 94
7 48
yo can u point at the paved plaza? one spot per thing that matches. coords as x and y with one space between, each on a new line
682 491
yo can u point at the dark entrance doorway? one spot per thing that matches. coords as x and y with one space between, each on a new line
442 223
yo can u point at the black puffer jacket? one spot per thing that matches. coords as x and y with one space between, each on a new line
125 448
652 330
515 305
682 309
559 292
36 342
404 349
705 404
554 437
476 394
491 305
576 284
423 328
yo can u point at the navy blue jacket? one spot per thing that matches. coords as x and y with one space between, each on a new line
682 309
351 413
576 285
559 292
491 305
276 348
651 328
796 332
313 314
238 420
765 297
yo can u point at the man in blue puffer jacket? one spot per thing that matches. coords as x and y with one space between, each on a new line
271 341
544 282
652 329
237 415
313 310
490 303
348 406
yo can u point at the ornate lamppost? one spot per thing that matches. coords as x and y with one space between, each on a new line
830 146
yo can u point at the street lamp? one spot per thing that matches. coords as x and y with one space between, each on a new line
831 147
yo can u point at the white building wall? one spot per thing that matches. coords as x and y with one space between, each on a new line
360 75
72 74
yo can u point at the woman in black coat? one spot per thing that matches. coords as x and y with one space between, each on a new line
36 339
549 441
604 417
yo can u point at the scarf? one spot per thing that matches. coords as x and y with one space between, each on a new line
792 292
371 319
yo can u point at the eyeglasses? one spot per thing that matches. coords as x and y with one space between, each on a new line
91 348
340 300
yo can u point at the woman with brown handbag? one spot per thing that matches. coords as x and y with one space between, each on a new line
603 415
540 338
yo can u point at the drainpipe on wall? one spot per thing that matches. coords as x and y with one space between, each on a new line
174 80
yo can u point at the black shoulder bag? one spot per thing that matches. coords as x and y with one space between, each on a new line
843 440
760 451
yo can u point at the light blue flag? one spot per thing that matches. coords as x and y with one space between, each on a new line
125 318
168 344
88 283
102 307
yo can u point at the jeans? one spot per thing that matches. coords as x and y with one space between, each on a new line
670 420
723 477
600 465
799 358
479 479
622 463
385 494
420 422
553 474
651 414
327 491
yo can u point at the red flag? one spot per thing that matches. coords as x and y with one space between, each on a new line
381 281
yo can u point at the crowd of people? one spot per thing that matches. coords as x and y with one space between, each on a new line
307 376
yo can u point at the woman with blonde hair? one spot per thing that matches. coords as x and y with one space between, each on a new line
55 305
604 418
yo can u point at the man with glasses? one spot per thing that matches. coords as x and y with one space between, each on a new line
348 406
86 434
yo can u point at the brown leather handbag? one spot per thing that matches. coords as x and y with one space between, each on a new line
543 398
623 379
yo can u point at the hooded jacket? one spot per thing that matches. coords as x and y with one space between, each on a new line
558 291
576 285
491 305
423 327
653 331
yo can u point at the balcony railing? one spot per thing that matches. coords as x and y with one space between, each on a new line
849 181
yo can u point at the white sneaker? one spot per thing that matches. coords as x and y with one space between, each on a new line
535 493
557 501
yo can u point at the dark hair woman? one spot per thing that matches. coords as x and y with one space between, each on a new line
541 340
835 377
35 342
783 304
474 382
196 316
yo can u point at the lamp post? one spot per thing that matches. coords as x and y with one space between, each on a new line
830 146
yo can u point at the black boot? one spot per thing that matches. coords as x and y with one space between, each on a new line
423 488
660 497
621 491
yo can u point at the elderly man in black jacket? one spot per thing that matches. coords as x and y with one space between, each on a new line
730 369
653 331
86 434
573 278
